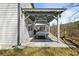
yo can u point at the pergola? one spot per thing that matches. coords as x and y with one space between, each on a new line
49 13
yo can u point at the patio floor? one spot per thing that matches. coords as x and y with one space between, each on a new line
51 42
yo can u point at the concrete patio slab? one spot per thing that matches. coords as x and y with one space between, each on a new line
52 43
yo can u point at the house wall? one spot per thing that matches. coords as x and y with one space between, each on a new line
8 25
24 34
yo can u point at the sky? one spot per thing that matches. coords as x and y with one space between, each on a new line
70 15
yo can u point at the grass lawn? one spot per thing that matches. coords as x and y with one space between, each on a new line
40 52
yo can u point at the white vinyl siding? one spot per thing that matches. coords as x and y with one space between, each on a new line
8 23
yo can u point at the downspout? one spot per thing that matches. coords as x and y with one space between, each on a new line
18 26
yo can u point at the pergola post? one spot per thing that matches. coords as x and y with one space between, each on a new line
58 28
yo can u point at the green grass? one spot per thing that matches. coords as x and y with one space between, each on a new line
40 52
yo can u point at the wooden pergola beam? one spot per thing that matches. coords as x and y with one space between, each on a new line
43 9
